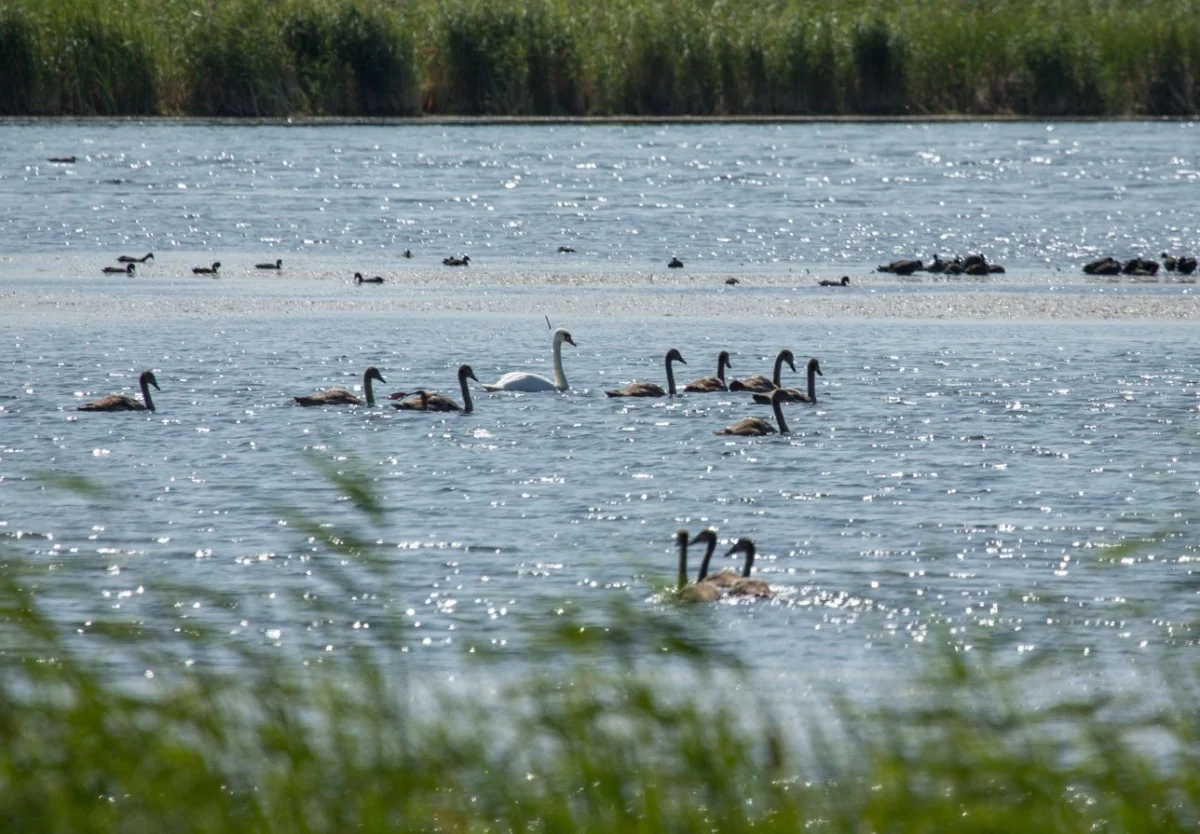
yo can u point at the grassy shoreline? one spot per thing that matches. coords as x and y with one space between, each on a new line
621 58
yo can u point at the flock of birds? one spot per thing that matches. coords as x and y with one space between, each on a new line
725 583
764 390
970 265
1141 267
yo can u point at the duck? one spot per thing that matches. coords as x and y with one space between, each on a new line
359 279
902 267
429 401
465 260
937 265
1140 266
130 259
407 253
758 427
650 389
709 384
844 282
62 160
340 396
747 586
277 265
761 383
532 383
732 282
674 263
118 270
1095 267
566 250
124 402
1186 265
207 270
813 368
691 592
721 579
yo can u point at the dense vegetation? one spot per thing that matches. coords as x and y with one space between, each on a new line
599 57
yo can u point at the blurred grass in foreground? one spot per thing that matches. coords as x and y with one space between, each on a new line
607 720
599 57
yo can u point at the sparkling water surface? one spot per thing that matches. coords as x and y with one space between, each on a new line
961 483
970 482
766 197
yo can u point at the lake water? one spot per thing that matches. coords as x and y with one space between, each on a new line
959 482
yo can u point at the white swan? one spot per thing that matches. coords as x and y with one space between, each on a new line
523 381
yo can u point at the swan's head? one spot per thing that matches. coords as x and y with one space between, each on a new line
561 336
814 367
465 372
279 263
743 545
149 256
216 264
358 279
846 280
723 359
786 355
706 536
780 396
466 259
681 538
129 268
147 378
373 373
674 355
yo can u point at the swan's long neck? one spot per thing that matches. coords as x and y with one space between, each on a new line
721 363
369 388
812 384
468 405
777 404
708 554
670 379
146 395
560 379
749 560
778 371
683 546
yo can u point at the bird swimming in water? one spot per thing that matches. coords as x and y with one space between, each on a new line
118 270
532 383
124 402
675 263
429 401
277 265
650 389
465 260
130 259
758 427
206 270
359 279
709 384
341 396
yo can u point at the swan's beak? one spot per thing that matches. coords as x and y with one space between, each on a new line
732 550
471 375
571 341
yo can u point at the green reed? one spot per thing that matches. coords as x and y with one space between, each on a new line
599 57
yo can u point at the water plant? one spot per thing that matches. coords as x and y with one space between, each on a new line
599 57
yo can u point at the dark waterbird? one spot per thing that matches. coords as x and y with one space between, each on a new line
119 270
675 263
277 265
761 383
794 394
844 282
430 401
692 592
757 426
465 260
709 384
207 270
650 389
124 402
1108 265
130 259
359 279
902 267
341 396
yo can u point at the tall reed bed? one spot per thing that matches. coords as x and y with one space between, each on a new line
600 57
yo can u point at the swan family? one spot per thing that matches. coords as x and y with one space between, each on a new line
714 587
523 381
